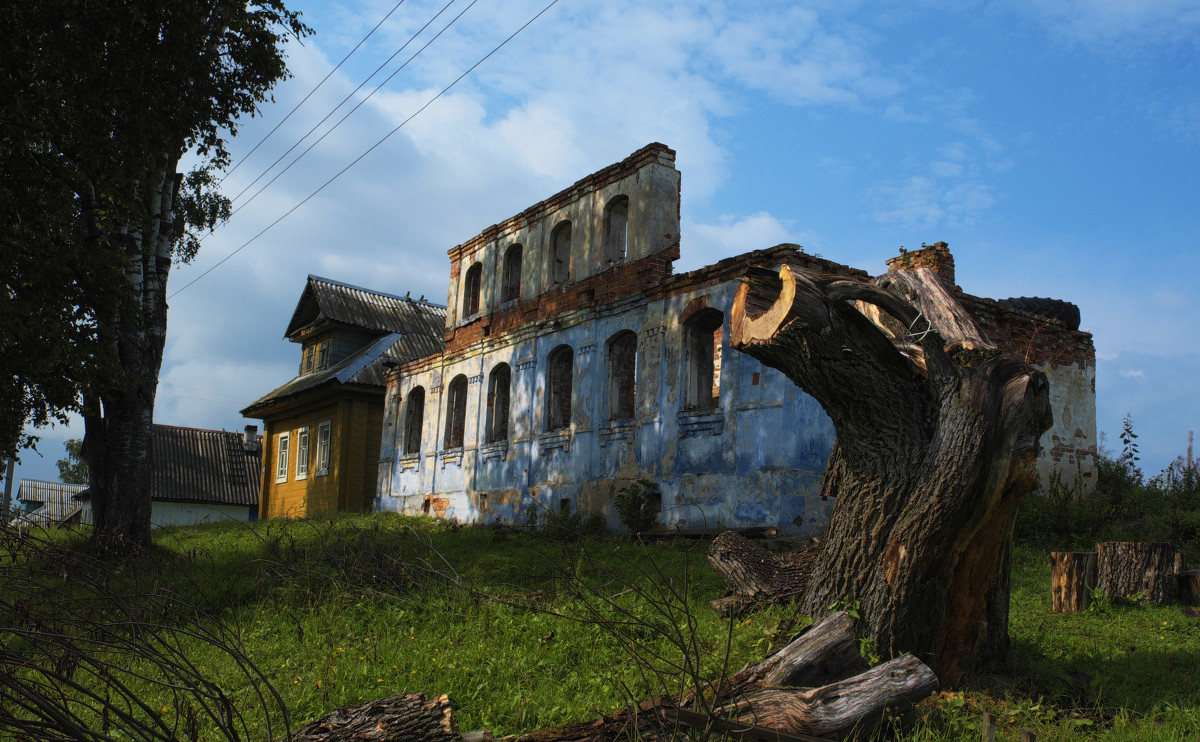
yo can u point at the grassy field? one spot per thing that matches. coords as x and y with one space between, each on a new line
525 633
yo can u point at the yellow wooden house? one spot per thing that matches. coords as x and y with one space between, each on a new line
323 428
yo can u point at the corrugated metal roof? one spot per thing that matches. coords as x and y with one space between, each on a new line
328 300
211 466
362 367
48 503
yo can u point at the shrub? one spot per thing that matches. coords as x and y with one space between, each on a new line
638 505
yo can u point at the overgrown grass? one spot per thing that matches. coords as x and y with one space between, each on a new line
525 632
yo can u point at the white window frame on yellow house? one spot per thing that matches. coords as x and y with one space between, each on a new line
324 443
281 457
302 453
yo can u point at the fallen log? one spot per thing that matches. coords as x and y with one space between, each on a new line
401 717
754 575
852 706
754 704
1072 577
1127 569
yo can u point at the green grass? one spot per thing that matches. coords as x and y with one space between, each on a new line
524 633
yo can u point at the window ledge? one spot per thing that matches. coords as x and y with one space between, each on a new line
451 456
618 431
409 461
700 422
494 450
555 440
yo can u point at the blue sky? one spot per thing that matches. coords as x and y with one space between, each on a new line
1055 144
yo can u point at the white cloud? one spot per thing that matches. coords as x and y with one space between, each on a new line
1099 21
1133 373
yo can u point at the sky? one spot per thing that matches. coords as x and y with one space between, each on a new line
1054 144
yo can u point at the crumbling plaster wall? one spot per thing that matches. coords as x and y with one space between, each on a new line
756 459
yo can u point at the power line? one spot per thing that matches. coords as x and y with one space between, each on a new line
310 94
317 125
356 106
372 148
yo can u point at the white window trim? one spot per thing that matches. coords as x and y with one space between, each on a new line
302 453
324 429
282 452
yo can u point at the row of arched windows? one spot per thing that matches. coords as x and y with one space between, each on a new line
702 338
615 246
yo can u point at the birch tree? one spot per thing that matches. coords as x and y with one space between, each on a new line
103 100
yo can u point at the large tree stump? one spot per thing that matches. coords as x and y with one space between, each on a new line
1072 577
755 575
937 439
1128 569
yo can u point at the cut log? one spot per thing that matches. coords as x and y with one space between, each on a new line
400 717
1129 569
852 706
823 653
755 575
1189 586
1072 577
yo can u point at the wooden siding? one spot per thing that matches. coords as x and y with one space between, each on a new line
356 425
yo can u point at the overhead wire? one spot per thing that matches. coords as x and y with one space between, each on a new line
368 151
343 102
310 94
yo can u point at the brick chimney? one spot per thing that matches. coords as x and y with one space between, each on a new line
936 256
250 438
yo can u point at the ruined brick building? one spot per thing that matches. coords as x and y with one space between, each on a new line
576 362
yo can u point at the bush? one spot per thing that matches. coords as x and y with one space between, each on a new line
638 505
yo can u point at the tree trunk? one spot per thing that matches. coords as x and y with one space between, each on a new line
1072 577
1128 569
1189 586
937 440
754 574
120 428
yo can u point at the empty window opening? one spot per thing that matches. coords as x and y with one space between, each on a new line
483 503
414 420
497 404
510 278
564 505
559 380
560 253
616 229
456 412
470 303
622 375
425 506
702 352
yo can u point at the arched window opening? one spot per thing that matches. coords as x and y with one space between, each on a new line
560 253
622 375
414 420
702 351
616 229
470 303
497 404
559 380
510 278
456 412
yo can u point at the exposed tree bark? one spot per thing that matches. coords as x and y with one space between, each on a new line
122 434
1189 585
1072 577
857 704
937 439
392 719
754 574
1128 569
